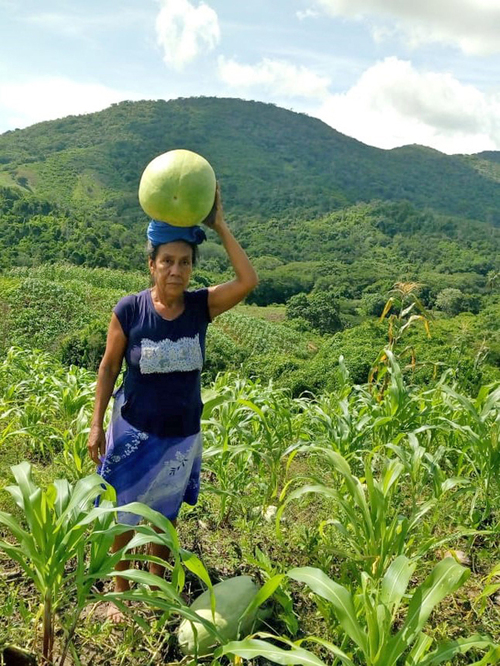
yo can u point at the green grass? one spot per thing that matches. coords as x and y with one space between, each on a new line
273 313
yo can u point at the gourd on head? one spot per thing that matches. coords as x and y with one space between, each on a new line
178 187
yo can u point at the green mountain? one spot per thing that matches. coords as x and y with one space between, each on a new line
315 209
271 162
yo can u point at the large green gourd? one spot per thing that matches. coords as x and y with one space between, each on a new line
178 187
232 596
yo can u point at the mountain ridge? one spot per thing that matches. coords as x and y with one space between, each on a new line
270 161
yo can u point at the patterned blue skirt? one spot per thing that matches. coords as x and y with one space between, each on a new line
162 472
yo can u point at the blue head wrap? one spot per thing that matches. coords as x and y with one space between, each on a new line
162 232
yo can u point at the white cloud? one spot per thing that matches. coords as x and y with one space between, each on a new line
393 104
184 31
275 76
308 13
473 25
48 98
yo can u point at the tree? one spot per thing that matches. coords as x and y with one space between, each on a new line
454 301
320 309
297 306
372 305
324 313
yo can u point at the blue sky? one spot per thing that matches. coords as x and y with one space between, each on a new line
387 72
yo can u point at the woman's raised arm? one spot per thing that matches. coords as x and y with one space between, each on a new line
224 296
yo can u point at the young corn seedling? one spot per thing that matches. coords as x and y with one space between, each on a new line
369 517
475 425
54 536
368 620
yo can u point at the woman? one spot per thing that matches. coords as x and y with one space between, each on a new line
153 448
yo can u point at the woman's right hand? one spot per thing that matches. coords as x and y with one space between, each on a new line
215 219
97 443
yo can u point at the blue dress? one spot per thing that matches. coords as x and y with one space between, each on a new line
154 443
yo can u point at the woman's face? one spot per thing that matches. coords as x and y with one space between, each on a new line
172 268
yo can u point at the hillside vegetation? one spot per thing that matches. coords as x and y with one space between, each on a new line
271 162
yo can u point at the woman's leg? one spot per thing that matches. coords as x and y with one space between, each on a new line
159 550
121 540
121 584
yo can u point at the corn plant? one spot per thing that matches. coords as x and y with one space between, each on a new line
45 404
403 303
427 456
162 594
491 590
27 366
368 517
249 431
65 549
271 438
337 423
260 336
73 458
368 620
53 537
399 406
72 393
475 423
224 456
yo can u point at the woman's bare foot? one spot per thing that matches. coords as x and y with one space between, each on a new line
114 614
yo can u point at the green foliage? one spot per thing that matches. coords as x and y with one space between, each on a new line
48 407
82 203
320 309
371 630
85 347
105 279
259 336
95 161
213 258
297 306
373 530
67 309
454 301
55 536
39 312
63 526
368 480
366 621
223 353
372 305
357 346
278 284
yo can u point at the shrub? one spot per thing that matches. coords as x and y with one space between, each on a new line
86 347
320 309
222 353
41 312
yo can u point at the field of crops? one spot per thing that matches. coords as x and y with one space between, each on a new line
369 516
262 337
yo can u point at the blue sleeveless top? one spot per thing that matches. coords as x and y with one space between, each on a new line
162 383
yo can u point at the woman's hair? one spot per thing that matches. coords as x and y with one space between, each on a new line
152 251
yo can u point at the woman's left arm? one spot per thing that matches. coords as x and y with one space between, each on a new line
222 297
